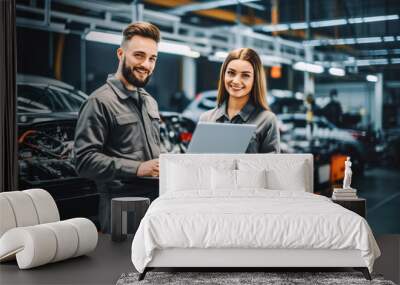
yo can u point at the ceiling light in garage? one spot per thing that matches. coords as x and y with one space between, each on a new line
389 39
218 56
380 18
177 48
299 26
337 71
108 38
276 28
327 23
395 60
167 47
372 78
368 40
355 20
273 60
349 41
372 61
308 67
221 54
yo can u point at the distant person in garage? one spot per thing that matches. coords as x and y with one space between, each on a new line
117 137
333 110
241 99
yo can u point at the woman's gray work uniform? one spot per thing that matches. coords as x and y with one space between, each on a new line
117 130
266 138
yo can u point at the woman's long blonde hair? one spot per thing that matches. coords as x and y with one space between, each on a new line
258 92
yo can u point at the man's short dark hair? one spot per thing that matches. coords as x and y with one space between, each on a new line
143 29
333 93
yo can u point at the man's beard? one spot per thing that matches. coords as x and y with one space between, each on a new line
128 74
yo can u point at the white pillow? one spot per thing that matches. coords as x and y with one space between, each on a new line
182 177
279 180
186 175
280 174
223 179
251 178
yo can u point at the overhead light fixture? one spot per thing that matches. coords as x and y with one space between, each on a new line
355 20
349 41
395 60
221 54
299 26
163 46
276 28
380 18
107 38
177 48
272 60
218 56
372 61
389 39
337 71
375 52
368 40
372 78
327 23
308 67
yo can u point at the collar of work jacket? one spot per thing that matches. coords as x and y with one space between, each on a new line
244 114
121 91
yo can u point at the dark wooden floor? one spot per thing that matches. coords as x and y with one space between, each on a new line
106 264
102 266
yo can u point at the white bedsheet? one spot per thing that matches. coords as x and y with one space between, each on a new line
252 218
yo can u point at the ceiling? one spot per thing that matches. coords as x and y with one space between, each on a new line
359 33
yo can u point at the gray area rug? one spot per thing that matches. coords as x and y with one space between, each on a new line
242 278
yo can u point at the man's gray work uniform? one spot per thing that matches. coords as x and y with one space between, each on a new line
117 129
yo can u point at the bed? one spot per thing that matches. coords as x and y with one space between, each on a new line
247 210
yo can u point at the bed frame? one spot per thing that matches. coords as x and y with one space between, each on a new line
256 258
241 259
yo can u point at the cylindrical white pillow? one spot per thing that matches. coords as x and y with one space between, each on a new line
45 205
37 245
23 208
7 218
67 240
87 234
33 246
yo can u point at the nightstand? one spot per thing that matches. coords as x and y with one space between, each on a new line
358 206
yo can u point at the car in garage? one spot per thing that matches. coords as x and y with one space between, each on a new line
294 132
47 112
203 102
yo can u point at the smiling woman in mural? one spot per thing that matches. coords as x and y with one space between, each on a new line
242 100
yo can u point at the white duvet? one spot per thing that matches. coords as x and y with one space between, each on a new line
250 219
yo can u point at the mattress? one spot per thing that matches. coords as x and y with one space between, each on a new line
250 219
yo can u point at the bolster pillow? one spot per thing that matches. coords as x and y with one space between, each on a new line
40 244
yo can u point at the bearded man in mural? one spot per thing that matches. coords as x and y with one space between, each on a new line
117 138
